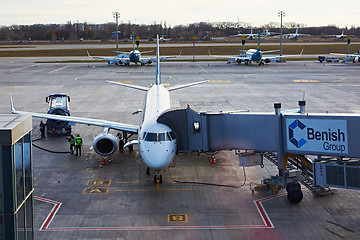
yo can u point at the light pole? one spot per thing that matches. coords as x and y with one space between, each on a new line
116 15
281 14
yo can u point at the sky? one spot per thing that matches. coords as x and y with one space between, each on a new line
344 13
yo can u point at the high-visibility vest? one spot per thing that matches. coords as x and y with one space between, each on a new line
72 141
78 141
42 126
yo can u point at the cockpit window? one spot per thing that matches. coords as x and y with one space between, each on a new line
151 137
156 137
172 134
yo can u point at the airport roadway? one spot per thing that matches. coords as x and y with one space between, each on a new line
77 198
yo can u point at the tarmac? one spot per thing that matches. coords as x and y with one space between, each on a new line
78 198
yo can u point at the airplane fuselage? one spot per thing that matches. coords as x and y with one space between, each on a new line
157 144
135 56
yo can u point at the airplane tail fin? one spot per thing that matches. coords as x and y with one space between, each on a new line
258 46
158 75
133 38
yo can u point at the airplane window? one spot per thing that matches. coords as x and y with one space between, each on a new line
151 137
173 136
143 135
163 137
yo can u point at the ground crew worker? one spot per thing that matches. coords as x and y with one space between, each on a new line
71 140
42 129
78 144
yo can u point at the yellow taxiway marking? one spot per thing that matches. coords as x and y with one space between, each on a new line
124 81
131 69
96 190
220 81
158 189
340 80
220 90
99 182
305 80
202 68
10 90
137 182
177 218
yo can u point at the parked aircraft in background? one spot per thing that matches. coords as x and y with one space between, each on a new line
338 36
156 141
255 55
164 39
134 56
266 33
250 36
295 35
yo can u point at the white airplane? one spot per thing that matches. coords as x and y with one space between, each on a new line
267 33
255 55
339 36
295 35
157 143
111 60
250 36
134 56
354 57
164 39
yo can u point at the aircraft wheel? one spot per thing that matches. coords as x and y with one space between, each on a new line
294 193
160 179
131 148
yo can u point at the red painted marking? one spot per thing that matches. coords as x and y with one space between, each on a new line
52 214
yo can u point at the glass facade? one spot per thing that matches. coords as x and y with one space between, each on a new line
16 190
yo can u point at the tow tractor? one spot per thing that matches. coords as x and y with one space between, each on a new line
59 105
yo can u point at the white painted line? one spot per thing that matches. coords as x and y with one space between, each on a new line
17 69
59 69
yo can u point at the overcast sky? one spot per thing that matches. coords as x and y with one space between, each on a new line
310 12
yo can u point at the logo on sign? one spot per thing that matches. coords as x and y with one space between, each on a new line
317 135
296 124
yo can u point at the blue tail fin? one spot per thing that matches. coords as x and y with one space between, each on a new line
258 47
158 75
133 38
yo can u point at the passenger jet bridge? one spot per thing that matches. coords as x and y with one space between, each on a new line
318 150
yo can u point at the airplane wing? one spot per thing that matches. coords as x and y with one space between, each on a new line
221 56
268 58
163 58
88 121
186 85
111 60
130 86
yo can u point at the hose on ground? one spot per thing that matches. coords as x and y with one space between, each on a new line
204 183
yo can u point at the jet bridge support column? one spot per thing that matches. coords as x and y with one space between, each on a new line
279 151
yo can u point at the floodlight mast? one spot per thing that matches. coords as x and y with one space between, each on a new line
281 14
116 15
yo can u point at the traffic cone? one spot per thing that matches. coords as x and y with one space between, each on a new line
104 161
213 160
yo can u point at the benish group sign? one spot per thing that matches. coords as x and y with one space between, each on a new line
317 135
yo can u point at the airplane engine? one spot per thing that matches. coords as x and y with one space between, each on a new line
238 60
123 61
105 143
149 62
267 60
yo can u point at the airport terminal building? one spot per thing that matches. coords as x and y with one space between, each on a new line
16 177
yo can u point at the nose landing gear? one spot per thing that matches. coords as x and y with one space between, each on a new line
157 177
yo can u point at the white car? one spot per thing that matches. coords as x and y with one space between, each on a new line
332 59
